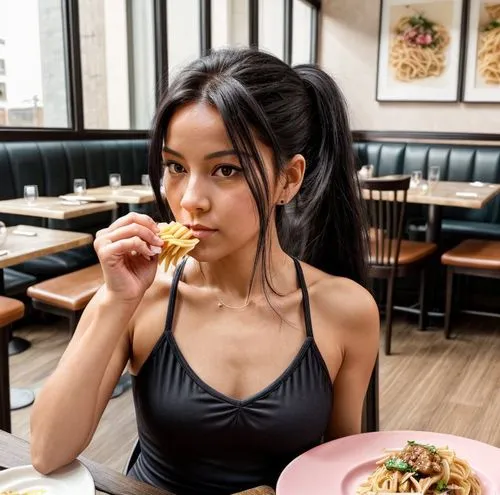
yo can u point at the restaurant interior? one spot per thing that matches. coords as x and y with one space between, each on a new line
79 84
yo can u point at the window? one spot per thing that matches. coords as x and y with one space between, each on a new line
118 64
33 50
183 30
271 27
2 67
230 23
302 30
3 92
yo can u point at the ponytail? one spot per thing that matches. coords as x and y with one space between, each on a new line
326 215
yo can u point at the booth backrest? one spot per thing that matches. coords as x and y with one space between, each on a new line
53 165
457 162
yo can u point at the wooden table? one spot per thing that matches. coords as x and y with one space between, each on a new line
445 193
15 452
50 207
22 248
132 194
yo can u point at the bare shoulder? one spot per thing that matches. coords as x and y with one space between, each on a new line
341 306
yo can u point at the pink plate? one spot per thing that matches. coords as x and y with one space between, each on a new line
338 467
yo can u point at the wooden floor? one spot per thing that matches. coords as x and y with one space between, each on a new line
428 384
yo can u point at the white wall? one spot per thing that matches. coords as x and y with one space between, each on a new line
348 51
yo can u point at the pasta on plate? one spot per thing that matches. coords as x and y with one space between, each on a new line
423 469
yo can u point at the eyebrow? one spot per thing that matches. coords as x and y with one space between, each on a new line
216 154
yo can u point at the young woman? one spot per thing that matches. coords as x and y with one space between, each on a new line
243 357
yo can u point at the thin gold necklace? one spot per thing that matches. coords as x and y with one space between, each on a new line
222 304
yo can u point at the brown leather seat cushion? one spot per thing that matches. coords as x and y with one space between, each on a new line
474 253
11 310
71 291
410 252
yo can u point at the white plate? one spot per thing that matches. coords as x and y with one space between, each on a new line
73 479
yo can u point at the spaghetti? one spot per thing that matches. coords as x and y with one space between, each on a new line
179 241
488 56
418 48
423 469
493 10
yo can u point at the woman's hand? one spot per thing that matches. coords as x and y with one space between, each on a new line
125 251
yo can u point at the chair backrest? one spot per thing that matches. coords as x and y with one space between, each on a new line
385 204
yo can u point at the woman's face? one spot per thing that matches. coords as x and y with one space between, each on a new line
204 183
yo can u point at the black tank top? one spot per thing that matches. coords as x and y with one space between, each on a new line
196 441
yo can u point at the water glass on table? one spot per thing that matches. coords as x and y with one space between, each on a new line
145 180
433 177
31 193
80 186
366 172
115 181
416 179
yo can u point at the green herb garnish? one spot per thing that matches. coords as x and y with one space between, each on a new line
441 486
492 25
420 21
396 464
430 448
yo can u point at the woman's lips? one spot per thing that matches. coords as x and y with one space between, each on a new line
202 233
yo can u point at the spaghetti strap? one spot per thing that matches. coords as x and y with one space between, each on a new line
305 298
173 295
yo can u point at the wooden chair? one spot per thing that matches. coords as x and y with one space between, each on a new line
473 257
390 255
69 294
11 310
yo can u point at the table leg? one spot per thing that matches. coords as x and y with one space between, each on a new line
18 345
4 381
123 384
433 232
20 398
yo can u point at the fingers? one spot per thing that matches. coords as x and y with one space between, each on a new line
135 230
127 246
131 225
130 218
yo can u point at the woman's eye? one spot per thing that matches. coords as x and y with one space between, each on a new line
174 168
227 171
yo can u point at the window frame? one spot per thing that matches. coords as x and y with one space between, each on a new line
71 37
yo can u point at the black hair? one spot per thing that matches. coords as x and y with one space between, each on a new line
298 110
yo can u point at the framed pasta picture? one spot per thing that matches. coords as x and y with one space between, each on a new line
419 55
482 68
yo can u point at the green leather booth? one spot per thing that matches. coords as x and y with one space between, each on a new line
458 163
53 166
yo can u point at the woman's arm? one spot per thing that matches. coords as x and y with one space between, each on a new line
70 405
68 409
356 318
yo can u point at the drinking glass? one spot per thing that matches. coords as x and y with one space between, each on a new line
416 179
31 193
115 181
80 186
3 234
366 171
433 177
145 180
